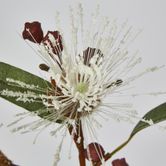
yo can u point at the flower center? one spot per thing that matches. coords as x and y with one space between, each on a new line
82 87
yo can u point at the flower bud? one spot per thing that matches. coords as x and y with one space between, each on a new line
119 162
33 32
94 152
44 67
53 41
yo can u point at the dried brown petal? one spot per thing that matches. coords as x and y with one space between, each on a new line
94 152
89 53
33 32
119 162
53 41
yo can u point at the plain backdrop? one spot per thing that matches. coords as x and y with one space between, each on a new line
148 148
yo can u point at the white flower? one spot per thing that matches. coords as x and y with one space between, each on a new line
91 65
87 66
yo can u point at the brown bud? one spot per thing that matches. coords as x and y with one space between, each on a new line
44 67
33 32
94 152
53 40
119 162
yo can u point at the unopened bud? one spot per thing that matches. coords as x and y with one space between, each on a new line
44 67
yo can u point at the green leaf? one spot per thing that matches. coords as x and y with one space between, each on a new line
27 105
10 72
157 115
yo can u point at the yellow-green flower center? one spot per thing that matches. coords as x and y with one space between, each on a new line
82 87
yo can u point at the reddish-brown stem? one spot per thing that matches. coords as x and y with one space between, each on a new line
79 145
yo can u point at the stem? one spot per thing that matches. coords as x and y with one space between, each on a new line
5 161
80 145
107 156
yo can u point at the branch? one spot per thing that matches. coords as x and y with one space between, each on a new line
5 161
79 145
107 156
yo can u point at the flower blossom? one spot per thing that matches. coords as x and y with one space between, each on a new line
86 70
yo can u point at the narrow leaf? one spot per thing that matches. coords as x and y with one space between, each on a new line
27 105
14 80
8 71
156 115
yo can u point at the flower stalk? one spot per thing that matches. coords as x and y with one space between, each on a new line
78 135
107 156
